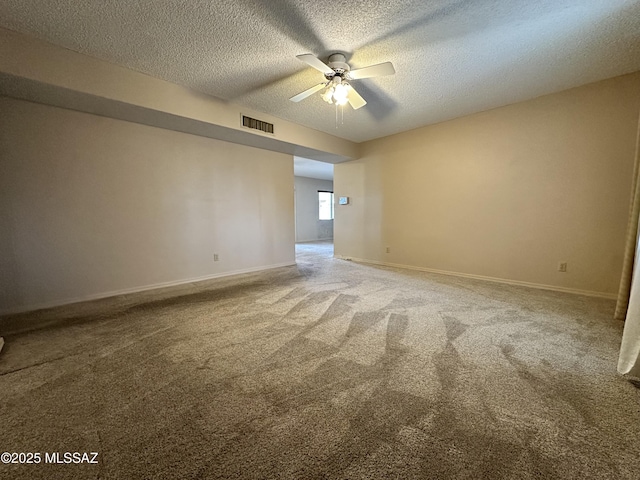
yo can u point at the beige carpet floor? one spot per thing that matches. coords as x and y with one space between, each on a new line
327 370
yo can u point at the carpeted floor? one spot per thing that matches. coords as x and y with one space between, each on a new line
327 370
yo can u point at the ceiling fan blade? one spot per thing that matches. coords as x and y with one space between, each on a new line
308 92
316 63
355 100
373 71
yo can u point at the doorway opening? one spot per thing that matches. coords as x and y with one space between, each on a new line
314 207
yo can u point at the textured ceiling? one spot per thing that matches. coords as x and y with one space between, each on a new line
452 57
305 167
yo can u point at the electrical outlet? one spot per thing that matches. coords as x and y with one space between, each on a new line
215 257
562 267
388 249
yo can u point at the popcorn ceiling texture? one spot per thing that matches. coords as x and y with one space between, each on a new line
452 57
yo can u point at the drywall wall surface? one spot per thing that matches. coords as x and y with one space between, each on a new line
27 61
91 205
509 193
308 225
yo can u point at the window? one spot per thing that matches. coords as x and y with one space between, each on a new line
325 202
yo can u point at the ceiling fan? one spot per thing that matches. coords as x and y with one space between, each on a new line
338 75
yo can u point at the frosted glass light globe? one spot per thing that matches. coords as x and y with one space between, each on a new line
340 94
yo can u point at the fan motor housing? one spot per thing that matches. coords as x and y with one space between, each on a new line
338 64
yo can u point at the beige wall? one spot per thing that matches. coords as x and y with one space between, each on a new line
504 194
308 226
91 205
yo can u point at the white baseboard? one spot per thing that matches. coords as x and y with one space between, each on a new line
540 286
144 288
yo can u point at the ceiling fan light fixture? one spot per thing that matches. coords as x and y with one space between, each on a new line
336 88
340 94
327 95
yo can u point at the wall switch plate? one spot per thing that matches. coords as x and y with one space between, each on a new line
388 249
562 267
215 257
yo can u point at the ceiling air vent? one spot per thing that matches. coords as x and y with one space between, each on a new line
257 124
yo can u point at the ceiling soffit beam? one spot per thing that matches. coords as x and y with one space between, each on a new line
41 72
